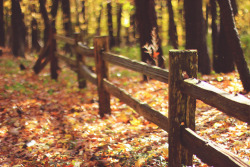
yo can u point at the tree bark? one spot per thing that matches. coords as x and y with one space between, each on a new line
224 62
233 40
172 32
54 60
45 16
110 25
98 29
119 18
34 35
85 21
132 29
196 33
2 32
18 29
66 17
215 33
146 21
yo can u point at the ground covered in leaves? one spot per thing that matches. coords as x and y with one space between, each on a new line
49 123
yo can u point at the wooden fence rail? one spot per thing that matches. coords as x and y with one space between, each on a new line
180 124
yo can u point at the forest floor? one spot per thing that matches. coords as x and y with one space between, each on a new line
49 123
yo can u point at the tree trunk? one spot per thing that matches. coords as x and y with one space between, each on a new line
119 18
233 40
196 33
110 25
66 17
85 22
77 14
2 32
132 28
146 23
45 16
215 35
34 35
235 7
98 29
172 32
67 22
54 60
18 29
224 62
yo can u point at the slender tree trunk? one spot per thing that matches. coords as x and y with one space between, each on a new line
45 16
172 32
98 29
54 60
146 23
66 17
119 18
110 25
77 14
232 37
2 32
67 21
196 33
224 61
215 35
18 29
34 35
132 28
234 6
85 20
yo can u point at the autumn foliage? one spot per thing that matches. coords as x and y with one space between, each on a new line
47 123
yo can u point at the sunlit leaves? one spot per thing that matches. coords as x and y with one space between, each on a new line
59 124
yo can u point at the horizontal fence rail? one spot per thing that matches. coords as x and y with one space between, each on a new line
149 70
190 89
84 50
213 155
237 106
68 40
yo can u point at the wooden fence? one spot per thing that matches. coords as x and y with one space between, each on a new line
184 89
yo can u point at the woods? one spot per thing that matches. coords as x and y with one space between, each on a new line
120 28
97 126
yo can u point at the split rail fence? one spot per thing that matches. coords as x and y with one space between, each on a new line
184 89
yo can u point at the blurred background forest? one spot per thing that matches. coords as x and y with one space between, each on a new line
90 17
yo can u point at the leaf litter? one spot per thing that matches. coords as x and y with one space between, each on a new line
48 123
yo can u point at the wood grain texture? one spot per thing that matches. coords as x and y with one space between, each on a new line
209 152
141 108
149 70
90 76
102 44
84 50
237 106
65 39
181 107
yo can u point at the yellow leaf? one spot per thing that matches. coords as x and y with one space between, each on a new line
135 121
68 136
140 162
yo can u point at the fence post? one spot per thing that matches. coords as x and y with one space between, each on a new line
102 44
182 65
80 59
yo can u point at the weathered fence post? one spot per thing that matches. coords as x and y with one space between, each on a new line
79 60
102 44
183 64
